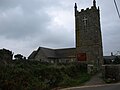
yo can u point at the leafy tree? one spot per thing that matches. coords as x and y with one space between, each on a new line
117 60
18 56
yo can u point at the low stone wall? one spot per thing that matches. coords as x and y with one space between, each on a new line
111 72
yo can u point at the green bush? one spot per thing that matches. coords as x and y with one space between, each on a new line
34 75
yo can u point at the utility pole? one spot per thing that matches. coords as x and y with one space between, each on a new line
117 8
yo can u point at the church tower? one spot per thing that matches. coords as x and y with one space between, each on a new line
88 35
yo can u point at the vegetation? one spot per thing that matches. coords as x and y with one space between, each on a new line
117 60
33 75
19 57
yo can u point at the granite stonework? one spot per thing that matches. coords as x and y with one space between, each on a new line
88 34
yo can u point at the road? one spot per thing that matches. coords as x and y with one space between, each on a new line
97 87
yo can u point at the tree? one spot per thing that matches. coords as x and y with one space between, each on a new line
117 60
18 56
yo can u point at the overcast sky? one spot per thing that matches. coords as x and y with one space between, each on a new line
27 24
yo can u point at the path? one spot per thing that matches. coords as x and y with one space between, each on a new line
95 80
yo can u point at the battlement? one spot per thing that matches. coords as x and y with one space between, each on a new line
88 9
92 8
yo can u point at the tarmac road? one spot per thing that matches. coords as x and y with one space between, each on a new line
97 87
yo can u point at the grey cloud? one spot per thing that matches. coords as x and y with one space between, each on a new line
59 39
17 23
24 18
29 21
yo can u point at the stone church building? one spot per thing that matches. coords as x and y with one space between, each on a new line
88 41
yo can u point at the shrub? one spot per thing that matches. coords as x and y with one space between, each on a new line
34 75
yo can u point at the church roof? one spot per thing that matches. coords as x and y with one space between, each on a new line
32 55
66 52
54 53
48 52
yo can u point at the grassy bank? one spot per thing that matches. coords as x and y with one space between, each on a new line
33 75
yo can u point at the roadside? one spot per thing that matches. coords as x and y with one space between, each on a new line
95 80
115 86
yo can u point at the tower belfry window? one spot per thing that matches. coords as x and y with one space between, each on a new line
85 21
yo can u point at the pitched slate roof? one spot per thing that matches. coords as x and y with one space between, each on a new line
32 55
54 53
66 52
48 52
109 57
